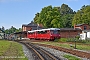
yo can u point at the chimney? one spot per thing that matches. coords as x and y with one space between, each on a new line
74 26
40 25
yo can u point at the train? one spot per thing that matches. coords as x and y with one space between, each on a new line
45 34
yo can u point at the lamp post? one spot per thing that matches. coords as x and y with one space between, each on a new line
75 44
76 38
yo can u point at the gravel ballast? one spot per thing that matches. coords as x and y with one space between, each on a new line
27 53
55 52
60 54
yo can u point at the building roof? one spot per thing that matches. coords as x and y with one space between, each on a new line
69 29
30 24
21 32
33 25
81 24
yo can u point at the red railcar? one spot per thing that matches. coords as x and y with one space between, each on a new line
46 34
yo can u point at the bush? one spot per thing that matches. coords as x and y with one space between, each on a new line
56 40
77 37
61 40
72 40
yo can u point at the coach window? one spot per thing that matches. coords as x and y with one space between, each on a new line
31 32
28 32
39 32
43 32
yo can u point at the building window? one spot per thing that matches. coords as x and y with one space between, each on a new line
85 27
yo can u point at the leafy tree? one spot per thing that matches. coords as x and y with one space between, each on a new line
65 9
44 16
7 31
56 20
3 28
20 29
55 16
67 15
12 30
82 16
36 18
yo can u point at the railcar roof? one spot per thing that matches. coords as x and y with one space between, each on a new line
45 29
51 29
32 31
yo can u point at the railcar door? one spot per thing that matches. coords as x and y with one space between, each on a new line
48 35
44 34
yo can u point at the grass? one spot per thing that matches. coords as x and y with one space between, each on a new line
79 46
56 44
61 40
4 45
11 49
69 57
72 40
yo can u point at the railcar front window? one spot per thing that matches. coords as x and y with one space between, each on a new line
54 32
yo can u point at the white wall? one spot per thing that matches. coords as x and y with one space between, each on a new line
2 35
88 34
83 36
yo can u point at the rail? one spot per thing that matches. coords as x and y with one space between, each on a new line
40 52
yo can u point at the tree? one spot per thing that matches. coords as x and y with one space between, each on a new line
2 28
36 18
65 9
55 16
67 15
7 31
82 16
20 29
56 20
12 30
44 16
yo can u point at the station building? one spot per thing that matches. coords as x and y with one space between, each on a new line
64 32
72 32
25 28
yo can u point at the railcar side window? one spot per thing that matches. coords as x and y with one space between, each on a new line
31 32
42 32
38 32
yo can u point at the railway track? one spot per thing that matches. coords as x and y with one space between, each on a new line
71 51
39 53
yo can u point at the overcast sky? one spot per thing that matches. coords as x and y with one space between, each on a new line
18 12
